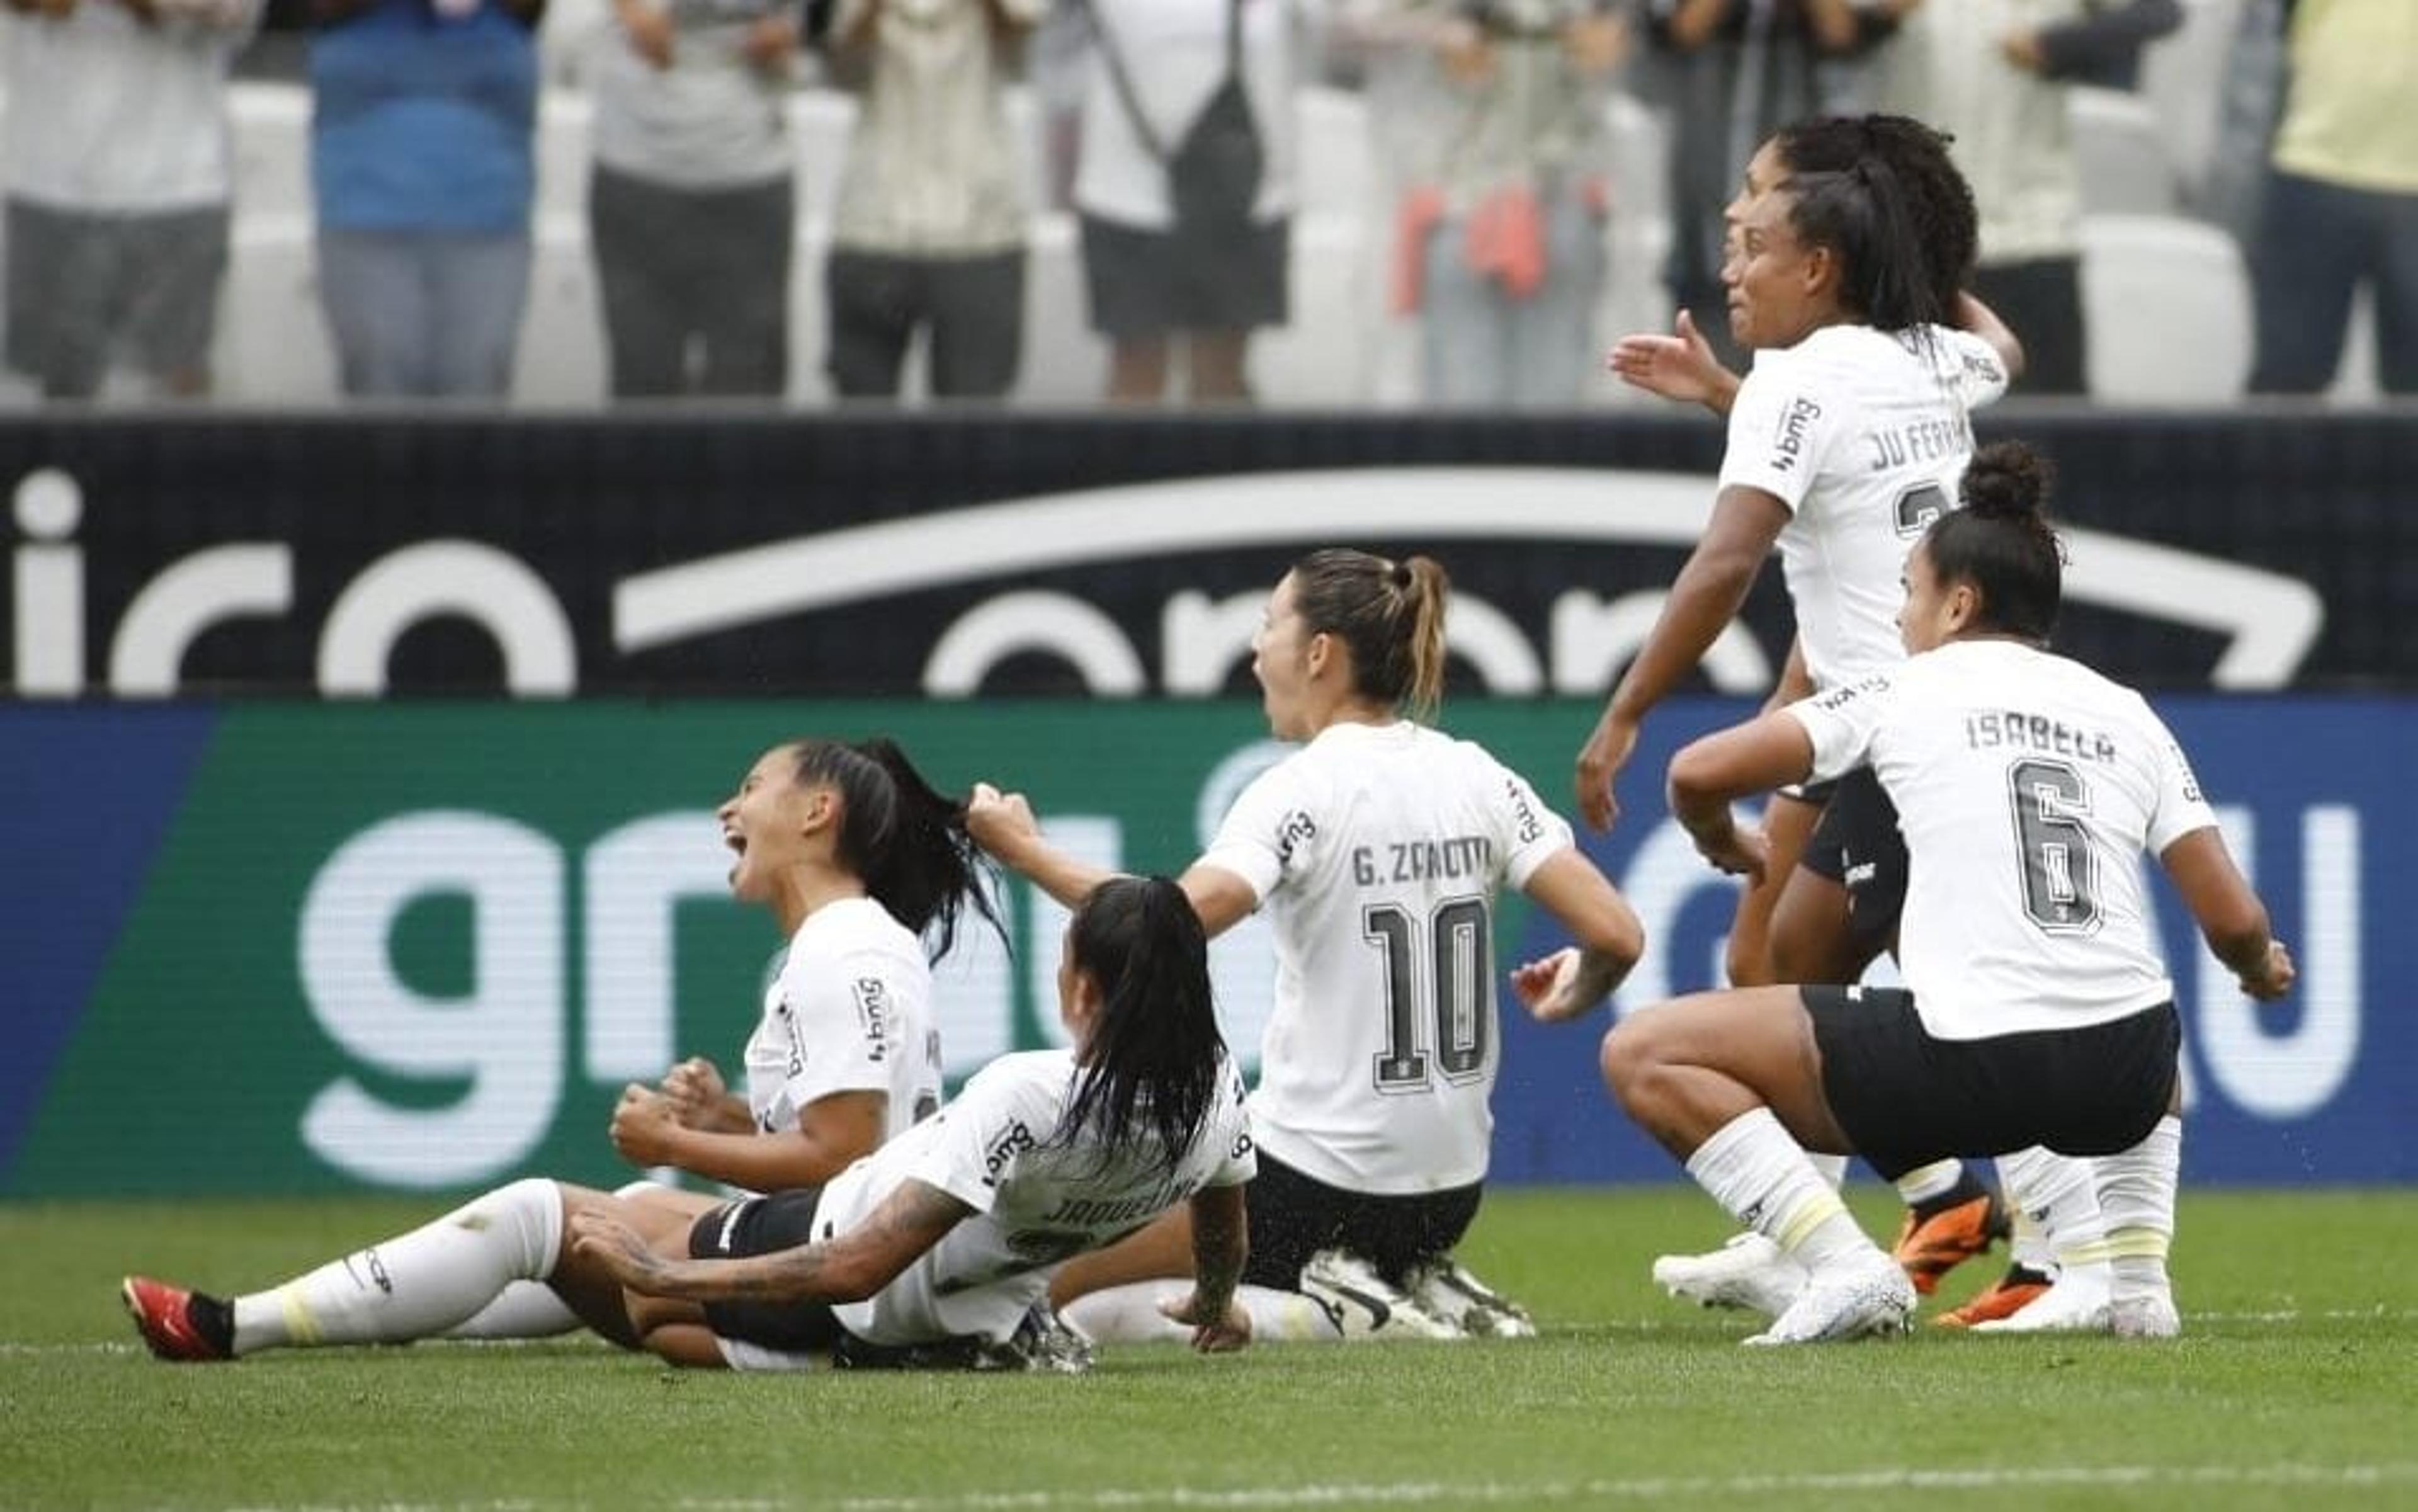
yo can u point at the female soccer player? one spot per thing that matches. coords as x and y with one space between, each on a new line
2037 1010
863 865
1377 849
937 1248
1850 242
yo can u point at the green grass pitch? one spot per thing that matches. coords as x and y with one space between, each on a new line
2296 1383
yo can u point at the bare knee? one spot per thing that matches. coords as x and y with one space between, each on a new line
1631 1055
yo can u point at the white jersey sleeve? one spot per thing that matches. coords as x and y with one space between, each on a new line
2179 809
1270 831
842 1028
1971 367
1529 831
851 1010
1782 430
1842 723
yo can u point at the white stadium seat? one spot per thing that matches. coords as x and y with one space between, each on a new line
2167 303
2121 146
269 125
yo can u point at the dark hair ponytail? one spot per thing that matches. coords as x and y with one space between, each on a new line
1922 179
1861 214
1154 1055
907 843
1388 614
2001 543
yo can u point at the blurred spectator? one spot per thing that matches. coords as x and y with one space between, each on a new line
425 113
929 230
691 201
1151 278
1993 74
1730 74
1497 125
2250 99
2342 204
118 184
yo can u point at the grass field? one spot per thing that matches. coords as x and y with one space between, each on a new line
2296 1382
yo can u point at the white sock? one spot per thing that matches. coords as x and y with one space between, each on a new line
1833 1168
532 1310
1130 1314
2137 1191
2060 1194
1755 1169
416 1285
1923 1183
525 1310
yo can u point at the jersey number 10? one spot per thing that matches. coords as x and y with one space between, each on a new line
1459 942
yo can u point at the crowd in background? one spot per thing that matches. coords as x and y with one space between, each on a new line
1165 129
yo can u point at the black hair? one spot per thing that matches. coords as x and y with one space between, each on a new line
906 842
1153 1056
1388 614
2001 543
1908 164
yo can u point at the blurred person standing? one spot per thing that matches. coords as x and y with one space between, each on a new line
1730 74
692 202
422 162
2341 205
1172 82
1497 129
118 182
929 232
1993 74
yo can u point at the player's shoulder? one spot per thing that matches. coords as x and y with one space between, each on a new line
1020 1081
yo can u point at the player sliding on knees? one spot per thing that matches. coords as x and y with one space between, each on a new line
1377 851
2037 1010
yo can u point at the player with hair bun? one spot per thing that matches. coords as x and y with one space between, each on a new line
1377 851
2037 1010
1851 241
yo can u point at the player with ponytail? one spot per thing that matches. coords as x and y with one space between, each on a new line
1376 852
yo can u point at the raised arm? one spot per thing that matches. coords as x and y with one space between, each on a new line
1705 597
848 1268
1002 824
2231 917
1982 321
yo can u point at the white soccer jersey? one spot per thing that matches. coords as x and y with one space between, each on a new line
2029 787
1864 437
1377 851
850 1011
1035 1201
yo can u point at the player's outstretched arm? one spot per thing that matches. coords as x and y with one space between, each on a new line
1982 321
1609 940
848 1268
2230 916
1679 367
1220 1244
1002 824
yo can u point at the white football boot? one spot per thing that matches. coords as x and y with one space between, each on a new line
1364 1305
1863 1295
1750 1271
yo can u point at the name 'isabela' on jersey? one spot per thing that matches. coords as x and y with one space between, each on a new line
1423 861
2036 732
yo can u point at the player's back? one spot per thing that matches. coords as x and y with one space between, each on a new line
1863 436
1382 1051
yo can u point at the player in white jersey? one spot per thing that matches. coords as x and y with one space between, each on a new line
1851 239
2037 1010
1377 851
937 1248
863 863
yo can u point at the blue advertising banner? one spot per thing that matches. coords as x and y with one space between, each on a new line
423 945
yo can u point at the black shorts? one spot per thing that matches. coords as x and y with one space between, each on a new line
1857 843
1144 284
1905 1098
758 1226
1293 1218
